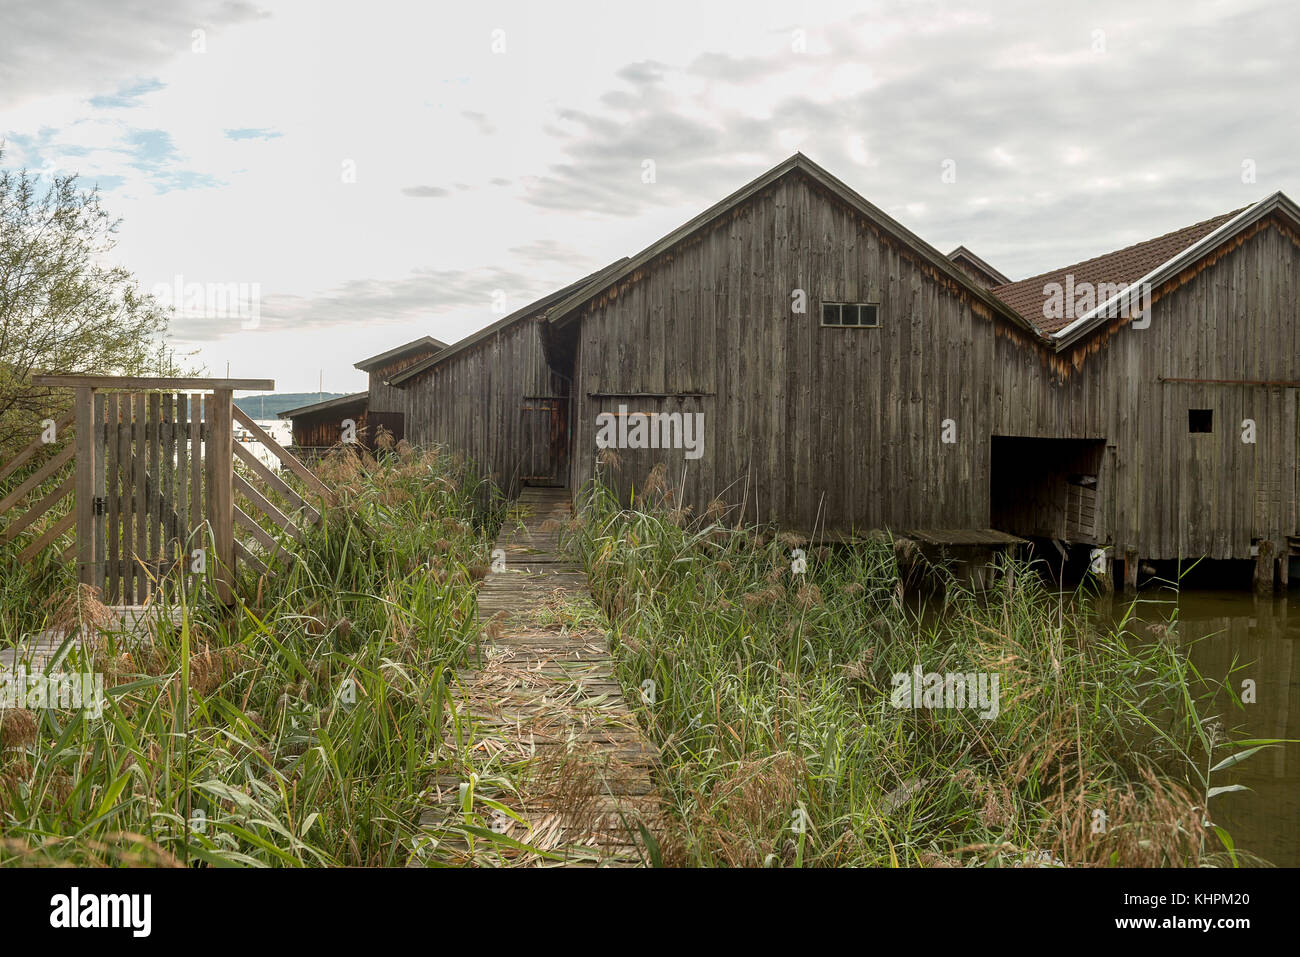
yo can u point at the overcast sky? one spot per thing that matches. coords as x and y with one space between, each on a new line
382 170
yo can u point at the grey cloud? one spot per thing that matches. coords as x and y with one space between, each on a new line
444 300
59 46
1060 154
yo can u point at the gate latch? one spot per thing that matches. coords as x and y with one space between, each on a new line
99 505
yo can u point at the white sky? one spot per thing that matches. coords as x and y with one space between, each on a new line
1073 132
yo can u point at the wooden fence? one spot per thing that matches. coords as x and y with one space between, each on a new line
152 474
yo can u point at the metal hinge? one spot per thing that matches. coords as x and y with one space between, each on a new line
99 505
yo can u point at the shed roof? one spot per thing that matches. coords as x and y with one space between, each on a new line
961 252
424 342
356 398
1123 267
532 309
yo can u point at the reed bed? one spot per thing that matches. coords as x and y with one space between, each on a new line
771 705
303 728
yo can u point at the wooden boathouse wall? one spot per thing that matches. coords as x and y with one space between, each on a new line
1165 492
807 426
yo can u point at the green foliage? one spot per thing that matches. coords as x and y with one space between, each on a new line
781 744
303 729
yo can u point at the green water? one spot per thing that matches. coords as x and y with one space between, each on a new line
1263 635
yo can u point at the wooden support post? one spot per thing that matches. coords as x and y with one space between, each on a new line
1264 568
220 498
85 490
1130 569
1284 571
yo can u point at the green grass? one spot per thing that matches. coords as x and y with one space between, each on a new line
781 746
301 728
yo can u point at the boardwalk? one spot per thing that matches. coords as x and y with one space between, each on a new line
549 714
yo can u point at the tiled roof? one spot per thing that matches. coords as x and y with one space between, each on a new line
1121 267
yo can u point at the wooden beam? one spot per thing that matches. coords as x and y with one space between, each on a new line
273 513
277 483
12 465
1264 568
147 384
221 500
15 527
291 462
84 475
53 532
249 524
48 469
1131 563
249 558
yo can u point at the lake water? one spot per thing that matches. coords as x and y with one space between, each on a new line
1262 634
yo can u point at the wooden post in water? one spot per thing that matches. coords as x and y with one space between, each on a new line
221 498
1130 569
1264 568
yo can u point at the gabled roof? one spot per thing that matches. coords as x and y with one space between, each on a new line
342 401
415 345
962 253
1148 263
530 310
564 311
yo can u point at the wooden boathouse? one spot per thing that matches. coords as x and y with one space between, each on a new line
851 377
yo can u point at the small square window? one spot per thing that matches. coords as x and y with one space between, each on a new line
1200 420
830 314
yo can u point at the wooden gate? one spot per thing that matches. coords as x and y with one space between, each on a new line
544 428
155 487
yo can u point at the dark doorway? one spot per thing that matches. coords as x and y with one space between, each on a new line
393 422
544 427
1046 488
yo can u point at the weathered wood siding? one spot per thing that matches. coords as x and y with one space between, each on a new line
325 429
838 429
808 426
1164 491
473 402
386 398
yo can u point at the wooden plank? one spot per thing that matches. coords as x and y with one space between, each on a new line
53 532
277 483
167 479
154 500
84 471
38 478
15 528
291 462
220 492
197 538
101 465
249 524
249 558
112 496
139 502
126 493
182 429
274 514
147 383
35 446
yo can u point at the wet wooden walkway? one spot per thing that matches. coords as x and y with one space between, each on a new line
547 710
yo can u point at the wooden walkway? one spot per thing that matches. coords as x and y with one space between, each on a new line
549 714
